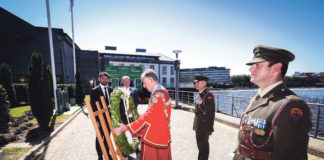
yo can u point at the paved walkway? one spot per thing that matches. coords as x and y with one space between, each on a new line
77 140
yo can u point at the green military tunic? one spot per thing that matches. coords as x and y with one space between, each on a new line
275 126
204 121
204 112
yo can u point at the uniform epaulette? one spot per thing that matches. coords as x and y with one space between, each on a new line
208 95
295 112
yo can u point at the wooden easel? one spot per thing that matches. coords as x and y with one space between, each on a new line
100 113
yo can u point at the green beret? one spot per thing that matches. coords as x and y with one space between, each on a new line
264 53
200 78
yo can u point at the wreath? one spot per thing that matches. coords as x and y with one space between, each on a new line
115 97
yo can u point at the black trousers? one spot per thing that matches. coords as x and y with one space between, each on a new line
99 152
203 145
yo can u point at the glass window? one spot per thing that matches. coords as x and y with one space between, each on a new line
164 69
172 81
172 70
164 81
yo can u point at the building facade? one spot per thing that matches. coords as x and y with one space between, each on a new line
19 40
217 76
162 65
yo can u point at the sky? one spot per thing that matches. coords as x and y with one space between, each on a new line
218 33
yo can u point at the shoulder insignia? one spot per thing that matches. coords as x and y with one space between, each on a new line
296 114
210 97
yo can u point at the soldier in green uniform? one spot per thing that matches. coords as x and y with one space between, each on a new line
275 124
204 116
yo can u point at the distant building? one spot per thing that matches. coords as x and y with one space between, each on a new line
161 64
310 75
89 65
18 41
217 76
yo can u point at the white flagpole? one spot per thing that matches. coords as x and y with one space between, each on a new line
73 46
52 53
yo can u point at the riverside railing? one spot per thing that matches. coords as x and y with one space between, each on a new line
236 105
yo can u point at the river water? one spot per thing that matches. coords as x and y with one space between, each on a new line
240 99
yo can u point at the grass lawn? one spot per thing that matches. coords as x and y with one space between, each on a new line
58 119
14 153
18 111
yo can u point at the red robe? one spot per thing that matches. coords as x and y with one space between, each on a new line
153 127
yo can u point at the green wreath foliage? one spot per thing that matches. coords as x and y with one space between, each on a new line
115 97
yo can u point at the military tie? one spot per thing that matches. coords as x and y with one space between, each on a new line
257 97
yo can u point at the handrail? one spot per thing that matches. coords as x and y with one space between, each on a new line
229 104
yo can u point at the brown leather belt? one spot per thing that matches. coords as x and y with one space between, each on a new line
254 154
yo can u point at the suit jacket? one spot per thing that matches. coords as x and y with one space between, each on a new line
134 94
279 122
204 112
95 95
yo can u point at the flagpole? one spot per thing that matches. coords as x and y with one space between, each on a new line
52 53
73 46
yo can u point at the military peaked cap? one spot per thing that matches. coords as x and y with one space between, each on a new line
200 78
264 53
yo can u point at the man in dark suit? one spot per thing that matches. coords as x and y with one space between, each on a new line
204 116
101 90
130 91
275 124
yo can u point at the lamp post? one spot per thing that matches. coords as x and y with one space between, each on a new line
177 67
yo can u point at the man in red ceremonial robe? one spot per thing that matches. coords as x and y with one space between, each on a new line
153 126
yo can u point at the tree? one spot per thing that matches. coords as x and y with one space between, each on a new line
6 81
241 80
79 89
41 99
4 111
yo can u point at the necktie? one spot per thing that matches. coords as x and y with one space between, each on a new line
106 96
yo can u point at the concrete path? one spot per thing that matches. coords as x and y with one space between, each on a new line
77 140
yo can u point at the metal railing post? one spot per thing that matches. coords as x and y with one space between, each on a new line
317 121
232 105
217 106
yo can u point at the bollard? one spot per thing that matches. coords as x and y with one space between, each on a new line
59 100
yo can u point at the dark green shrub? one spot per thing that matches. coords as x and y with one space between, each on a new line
5 80
4 111
21 92
40 95
79 89
70 87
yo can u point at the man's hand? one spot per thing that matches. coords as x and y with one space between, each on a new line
122 128
208 133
